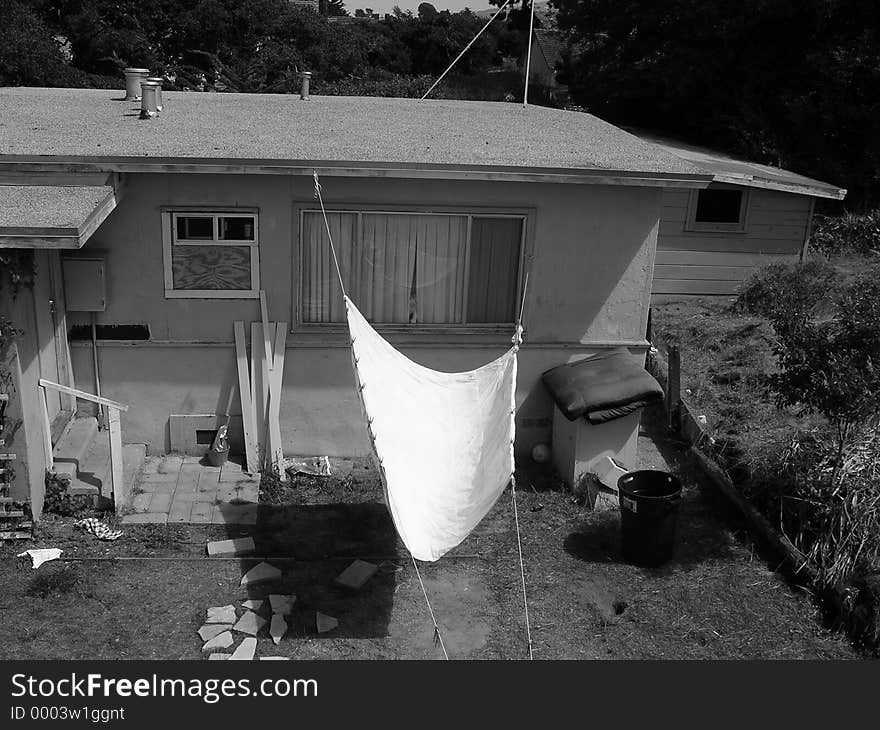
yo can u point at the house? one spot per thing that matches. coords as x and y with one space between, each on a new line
750 215
546 55
164 231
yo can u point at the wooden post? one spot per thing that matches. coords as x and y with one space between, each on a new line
47 432
673 387
120 498
247 410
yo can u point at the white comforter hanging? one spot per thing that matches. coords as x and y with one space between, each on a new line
444 441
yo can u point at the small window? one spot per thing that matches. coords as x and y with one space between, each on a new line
211 255
718 209
413 269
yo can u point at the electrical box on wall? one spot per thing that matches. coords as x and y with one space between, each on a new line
85 288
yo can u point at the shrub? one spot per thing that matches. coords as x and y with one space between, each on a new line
791 285
825 483
59 501
851 233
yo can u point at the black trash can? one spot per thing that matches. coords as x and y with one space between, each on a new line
648 512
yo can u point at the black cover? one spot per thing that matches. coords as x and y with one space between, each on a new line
602 387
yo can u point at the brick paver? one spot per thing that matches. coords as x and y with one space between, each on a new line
180 489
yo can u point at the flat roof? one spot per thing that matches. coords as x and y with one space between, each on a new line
96 125
741 172
52 216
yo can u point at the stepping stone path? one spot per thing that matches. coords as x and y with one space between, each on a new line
356 575
260 573
221 641
249 623
252 605
274 659
219 656
281 604
245 651
221 615
278 628
209 631
325 623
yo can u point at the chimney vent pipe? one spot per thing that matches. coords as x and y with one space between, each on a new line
133 78
304 92
149 91
158 81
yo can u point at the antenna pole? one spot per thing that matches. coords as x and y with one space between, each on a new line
529 53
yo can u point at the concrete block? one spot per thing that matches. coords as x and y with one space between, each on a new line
221 641
249 623
356 575
209 631
238 546
325 623
245 651
261 573
221 615
278 628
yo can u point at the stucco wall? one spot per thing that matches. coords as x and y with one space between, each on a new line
591 251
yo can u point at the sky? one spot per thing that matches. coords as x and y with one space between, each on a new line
386 6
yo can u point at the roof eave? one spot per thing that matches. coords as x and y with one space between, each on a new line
796 188
19 164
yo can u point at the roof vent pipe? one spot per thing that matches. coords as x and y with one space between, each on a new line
149 93
158 81
133 78
304 92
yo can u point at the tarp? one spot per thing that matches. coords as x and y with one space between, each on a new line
443 441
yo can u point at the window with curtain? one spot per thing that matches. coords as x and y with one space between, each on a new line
412 268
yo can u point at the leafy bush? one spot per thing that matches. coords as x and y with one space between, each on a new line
850 233
825 484
59 501
792 285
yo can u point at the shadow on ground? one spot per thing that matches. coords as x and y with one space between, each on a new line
312 545
699 537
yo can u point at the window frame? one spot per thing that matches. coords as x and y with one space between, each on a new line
694 226
170 216
527 215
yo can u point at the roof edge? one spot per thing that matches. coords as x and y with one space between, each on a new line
831 193
23 164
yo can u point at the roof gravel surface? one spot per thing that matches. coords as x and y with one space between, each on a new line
96 124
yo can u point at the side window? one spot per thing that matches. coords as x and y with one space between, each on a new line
718 209
211 254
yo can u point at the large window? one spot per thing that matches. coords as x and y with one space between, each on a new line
418 269
718 209
211 254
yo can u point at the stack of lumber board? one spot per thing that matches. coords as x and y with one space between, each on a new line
260 382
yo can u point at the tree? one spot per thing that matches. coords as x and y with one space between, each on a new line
788 82
336 8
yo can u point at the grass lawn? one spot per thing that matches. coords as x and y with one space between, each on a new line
716 599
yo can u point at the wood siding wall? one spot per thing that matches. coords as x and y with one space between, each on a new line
707 263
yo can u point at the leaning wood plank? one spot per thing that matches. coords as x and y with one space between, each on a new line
756 521
244 389
120 498
47 432
267 335
260 387
276 380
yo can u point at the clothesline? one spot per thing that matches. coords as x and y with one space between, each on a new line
466 432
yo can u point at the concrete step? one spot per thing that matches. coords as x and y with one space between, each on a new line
75 442
96 480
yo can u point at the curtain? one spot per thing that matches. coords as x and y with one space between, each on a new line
411 268
322 296
492 285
